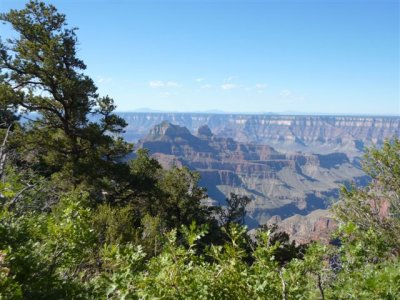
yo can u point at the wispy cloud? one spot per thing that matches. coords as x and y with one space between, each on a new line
206 86
199 79
260 86
172 84
285 93
165 94
228 86
289 96
102 79
154 84
230 78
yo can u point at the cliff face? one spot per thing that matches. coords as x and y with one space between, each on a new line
316 134
318 225
279 184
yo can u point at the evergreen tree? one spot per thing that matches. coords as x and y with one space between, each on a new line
76 131
8 116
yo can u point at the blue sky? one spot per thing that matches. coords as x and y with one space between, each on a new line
338 57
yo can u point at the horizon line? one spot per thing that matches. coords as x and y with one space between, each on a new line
260 113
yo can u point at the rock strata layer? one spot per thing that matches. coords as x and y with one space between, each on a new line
316 134
282 184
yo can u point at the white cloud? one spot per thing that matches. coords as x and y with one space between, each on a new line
172 84
290 97
102 79
206 86
154 84
199 79
228 86
260 86
230 78
285 93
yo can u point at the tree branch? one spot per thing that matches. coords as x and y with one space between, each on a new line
3 154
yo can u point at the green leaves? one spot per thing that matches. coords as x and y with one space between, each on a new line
75 223
88 268
40 72
369 217
193 233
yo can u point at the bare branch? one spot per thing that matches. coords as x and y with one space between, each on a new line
3 152
19 194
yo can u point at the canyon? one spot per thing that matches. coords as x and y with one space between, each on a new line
286 133
291 167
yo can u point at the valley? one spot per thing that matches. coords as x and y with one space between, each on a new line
292 167
278 183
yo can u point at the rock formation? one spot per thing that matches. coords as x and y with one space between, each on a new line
282 184
315 134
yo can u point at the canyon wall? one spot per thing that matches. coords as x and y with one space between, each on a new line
282 184
291 166
316 134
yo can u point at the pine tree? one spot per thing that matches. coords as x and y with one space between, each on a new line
76 132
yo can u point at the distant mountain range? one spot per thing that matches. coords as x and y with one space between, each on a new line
284 113
291 166
316 134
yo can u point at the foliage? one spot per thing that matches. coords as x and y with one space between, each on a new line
114 224
235 210
370 217
45 254
287 249
76 222
371 281
8 104
42 72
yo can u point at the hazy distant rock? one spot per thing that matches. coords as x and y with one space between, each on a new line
168 129
204 131
279 184
233 153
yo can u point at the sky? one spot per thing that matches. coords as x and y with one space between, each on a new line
330 57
